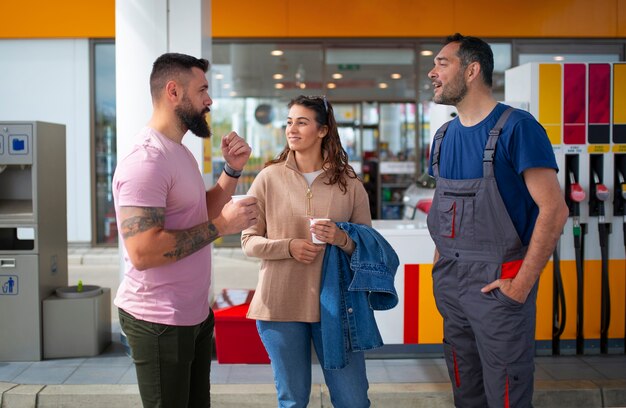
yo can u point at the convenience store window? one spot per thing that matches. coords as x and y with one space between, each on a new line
372 88
368 73
103 119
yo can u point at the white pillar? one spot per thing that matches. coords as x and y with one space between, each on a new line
145 29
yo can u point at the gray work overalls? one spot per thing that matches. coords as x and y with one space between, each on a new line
488 337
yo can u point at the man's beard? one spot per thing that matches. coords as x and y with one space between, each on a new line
454 94
193 120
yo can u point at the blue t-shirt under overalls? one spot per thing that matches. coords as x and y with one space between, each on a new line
522 144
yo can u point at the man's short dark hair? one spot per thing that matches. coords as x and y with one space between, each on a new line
170 66
473 49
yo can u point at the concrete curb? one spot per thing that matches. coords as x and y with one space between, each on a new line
548 394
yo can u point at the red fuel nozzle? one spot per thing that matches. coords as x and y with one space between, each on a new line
602 193
576 192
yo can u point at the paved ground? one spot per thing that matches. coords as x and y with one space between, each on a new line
108 380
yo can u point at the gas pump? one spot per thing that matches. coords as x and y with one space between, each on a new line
599 194
574 196
558 303
579 106
619 207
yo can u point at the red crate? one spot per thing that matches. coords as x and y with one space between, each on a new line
236 338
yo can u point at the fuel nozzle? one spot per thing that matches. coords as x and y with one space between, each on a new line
576 192
602 192
622 188
602 195
577 195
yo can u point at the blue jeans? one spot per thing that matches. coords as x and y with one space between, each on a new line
289 347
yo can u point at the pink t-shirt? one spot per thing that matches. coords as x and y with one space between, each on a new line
159 172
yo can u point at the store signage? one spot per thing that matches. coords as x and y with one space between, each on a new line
348 67
387 167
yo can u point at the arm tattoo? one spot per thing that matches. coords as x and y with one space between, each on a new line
149 218
190 241
187 241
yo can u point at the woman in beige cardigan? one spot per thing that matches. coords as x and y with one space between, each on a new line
311 178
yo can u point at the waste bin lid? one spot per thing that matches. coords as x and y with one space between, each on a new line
71 292
233 314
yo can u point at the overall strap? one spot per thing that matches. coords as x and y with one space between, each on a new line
490 147
437 140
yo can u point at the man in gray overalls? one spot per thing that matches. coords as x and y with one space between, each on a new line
496 216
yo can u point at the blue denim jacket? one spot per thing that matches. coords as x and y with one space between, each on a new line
352 288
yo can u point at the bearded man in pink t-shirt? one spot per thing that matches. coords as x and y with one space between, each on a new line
166 221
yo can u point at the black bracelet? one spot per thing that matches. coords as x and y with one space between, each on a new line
230 172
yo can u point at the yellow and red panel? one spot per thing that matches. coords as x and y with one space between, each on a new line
422 322
599 104
550 100
591 299
619 103
574 104
424 325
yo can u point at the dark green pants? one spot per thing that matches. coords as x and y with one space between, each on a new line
173 363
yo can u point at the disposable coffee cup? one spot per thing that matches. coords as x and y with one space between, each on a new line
239 197
312 222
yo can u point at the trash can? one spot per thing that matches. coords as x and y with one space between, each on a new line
76 324
236 338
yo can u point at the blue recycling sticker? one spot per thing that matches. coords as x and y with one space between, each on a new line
9 285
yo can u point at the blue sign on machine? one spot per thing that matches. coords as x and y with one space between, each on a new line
9 285
18 144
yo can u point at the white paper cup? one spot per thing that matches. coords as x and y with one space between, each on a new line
239 197
312 222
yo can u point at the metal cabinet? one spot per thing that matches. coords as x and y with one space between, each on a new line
33 232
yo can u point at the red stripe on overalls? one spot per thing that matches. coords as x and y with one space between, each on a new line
457 376
510 269
506 393
411 303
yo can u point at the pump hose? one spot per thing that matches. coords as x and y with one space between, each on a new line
605 310
580 277
558 305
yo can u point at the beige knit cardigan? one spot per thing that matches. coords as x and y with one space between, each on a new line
288 290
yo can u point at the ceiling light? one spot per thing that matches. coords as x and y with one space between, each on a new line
558 58
302 85
383 85
331 85
233 93
219 76
337 76
396 76
277 53
279 86
226 86
426 53
278 76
